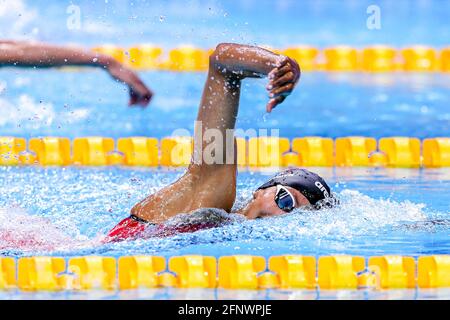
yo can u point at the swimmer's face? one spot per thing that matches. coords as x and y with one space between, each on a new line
263 203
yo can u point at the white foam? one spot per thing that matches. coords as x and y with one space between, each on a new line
357 215
20 82
22 231
3 86
26 111
31 114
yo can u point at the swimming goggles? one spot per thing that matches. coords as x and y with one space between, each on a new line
284 199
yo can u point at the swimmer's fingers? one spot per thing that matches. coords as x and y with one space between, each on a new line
285 60
132 101
134 98
289 65
140 94
277 72
278 95
289 72
142 99
282 81
285 78
274 102
272 73
284 90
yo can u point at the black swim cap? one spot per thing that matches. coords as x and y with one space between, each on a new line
309 184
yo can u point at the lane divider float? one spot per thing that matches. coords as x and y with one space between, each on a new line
226 272
252 153
342 58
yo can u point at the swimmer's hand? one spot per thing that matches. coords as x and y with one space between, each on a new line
42 55
139 93
282 80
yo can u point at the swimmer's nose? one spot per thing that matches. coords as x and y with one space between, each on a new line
255 193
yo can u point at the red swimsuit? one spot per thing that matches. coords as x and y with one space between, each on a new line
128 228
133 227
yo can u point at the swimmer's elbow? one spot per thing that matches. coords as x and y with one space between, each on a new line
224 47
217 58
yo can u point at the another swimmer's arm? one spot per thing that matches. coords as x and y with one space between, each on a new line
40 55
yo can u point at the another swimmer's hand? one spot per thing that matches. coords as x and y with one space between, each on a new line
282 80
139 93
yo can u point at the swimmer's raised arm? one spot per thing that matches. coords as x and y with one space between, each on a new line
209 184
238 61
228 65
41 55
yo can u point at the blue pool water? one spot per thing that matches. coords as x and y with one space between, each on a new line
390 207
72 104
384 211
65 211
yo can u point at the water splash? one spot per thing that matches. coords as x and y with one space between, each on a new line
67 213
21 231
357 215
26 112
